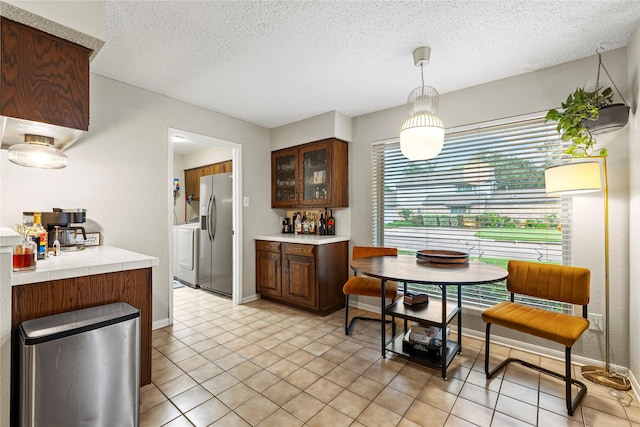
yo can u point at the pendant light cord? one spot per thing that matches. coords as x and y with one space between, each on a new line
601 65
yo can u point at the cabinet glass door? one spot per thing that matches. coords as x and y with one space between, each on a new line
315 176
285 179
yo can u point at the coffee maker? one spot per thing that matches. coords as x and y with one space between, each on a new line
60 225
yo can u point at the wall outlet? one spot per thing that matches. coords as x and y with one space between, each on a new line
596 323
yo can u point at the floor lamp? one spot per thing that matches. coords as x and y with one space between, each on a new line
582 177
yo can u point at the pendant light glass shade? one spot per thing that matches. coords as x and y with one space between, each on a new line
422 134
37 152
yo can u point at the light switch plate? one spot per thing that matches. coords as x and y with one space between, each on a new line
245 202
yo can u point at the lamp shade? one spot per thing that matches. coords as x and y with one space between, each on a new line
421 137
422 134
573 178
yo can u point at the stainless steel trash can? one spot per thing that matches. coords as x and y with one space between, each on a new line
81 368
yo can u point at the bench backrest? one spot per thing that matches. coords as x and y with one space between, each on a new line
550 281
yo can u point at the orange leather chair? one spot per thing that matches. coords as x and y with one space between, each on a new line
367 286
550 282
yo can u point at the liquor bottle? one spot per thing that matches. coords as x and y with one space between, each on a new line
305 223
312 224
39 235
331 225
299 223
24 254
321 226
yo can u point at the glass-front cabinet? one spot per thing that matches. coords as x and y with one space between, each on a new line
310 175
314 174
284 168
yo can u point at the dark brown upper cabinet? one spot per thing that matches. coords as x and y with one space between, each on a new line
311 175
43 78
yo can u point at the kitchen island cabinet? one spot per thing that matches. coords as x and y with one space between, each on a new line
93 276
307 272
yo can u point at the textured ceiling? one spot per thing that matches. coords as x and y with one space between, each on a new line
276 62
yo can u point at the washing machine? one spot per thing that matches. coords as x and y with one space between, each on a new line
185 253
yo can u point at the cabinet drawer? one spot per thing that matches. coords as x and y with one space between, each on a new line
263 245
302 250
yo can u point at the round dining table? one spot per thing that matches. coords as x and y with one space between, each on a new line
409 269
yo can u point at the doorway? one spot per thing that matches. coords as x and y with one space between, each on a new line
206 147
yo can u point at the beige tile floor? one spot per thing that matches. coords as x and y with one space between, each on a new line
264 364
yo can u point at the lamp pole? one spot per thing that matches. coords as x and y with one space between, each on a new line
606 262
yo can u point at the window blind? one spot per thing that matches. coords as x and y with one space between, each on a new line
484 194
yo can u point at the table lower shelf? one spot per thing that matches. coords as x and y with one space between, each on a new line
431 360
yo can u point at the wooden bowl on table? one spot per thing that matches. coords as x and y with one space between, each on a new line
442 258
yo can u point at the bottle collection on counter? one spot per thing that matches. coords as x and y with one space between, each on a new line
310 222
46 234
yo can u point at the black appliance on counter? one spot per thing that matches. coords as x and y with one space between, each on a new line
60 225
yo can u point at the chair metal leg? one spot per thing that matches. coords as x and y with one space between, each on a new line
346 314
571 404
348 325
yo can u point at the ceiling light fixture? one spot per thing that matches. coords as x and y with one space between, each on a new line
37 152
422 134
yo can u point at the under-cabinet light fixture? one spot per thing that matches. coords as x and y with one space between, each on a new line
37 152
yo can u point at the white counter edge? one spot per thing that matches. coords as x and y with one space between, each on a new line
92 260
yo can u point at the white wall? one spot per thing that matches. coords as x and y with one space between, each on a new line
537 91
119 172
327 125
207 156
633 56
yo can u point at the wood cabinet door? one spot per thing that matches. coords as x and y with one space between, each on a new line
284 178
269 273
315 174
192 183
44 78
299 280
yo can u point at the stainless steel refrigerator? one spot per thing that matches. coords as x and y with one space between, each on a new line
215 271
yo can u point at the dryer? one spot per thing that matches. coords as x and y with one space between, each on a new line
185 253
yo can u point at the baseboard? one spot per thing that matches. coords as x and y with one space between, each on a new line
250 298
635 386
158 324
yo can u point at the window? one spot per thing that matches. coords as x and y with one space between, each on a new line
483 194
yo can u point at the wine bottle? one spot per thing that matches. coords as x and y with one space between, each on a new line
321 230
331 225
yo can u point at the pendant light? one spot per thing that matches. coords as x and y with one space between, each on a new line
422 134
37 152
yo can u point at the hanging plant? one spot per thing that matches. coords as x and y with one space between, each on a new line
579 107
585 114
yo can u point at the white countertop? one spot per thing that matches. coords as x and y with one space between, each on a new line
307 239
91 260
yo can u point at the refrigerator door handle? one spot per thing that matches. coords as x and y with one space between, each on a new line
212 218
208 224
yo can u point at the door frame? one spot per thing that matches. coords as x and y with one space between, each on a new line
236 150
